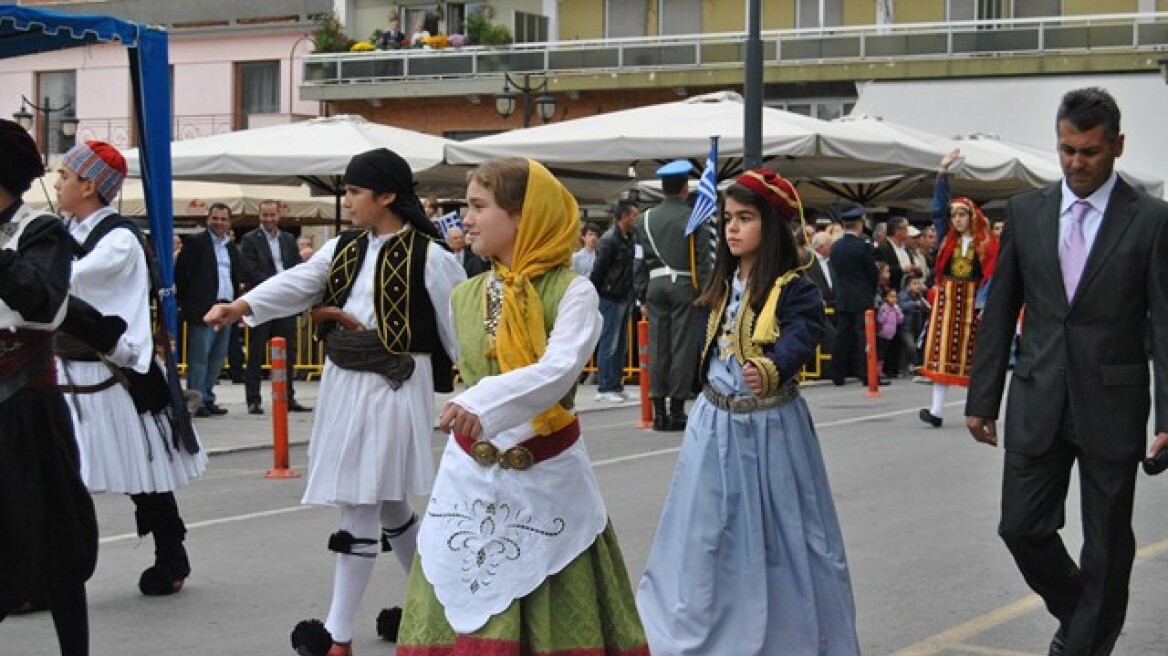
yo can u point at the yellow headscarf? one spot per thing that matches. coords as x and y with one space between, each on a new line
547 236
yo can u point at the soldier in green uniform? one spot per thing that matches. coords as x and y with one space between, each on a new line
669 271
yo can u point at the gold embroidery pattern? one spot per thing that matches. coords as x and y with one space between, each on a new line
393 283
961 266
343 269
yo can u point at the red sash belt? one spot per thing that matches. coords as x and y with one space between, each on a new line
525 454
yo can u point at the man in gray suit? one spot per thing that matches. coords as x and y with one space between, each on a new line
266 251
669 271
1088 257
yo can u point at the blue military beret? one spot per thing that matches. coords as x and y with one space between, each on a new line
675 168
851 212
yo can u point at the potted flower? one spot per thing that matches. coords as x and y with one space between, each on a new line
458 40
361 46
437 41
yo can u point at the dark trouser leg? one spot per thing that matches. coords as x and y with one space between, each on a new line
257 348
1034 493
70 618
158 514
1107 490
234 354
688 331
844 350
660 338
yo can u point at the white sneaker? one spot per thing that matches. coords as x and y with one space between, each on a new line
610 397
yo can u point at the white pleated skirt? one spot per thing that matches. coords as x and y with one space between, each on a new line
123 451
370 442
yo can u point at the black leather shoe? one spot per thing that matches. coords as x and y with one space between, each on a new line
930 418
202 412
293 406
255 409
883 382
215 409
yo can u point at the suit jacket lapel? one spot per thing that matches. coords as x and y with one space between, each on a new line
1120 210
1048 239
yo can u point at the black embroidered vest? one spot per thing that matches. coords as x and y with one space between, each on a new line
405 313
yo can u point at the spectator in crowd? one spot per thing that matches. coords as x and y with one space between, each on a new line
879 235
929 250
431 208
965 265
884 278
668 274
304 247
264 252
393 37
996 226
130 439
585 256
896 252
916 311
888 321
612 275
472 263
853 268
207 271
1080 394
819 272
916 254
176 244
48 528
419 36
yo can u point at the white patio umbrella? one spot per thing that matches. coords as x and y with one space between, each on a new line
634 142
315 152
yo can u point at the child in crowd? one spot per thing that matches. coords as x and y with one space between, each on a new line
516 554
915 308
384 290
748 558
888 321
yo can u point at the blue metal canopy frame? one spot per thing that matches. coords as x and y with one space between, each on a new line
25 31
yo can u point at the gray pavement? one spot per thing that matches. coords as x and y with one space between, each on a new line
918 508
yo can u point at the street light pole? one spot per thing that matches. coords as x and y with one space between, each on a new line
26 120
545 103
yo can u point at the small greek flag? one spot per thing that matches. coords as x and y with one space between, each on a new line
448 221
706 203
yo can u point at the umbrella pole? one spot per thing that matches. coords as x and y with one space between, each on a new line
337 216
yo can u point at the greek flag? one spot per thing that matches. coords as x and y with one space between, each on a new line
448 221
707 197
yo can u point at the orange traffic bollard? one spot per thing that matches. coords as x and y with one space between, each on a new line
280 467
643 358
873 366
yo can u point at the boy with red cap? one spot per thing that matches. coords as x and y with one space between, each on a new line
120 404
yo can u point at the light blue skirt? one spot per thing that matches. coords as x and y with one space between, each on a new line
749 558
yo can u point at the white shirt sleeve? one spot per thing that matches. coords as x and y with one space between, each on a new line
291 291
510 399
443 274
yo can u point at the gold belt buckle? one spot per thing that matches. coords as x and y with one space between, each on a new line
485 453
518 458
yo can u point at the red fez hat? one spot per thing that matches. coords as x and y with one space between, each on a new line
774 189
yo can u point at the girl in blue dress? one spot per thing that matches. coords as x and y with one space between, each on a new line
748 558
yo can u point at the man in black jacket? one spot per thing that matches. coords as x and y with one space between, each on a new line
266 251
207 271
853 268
612 274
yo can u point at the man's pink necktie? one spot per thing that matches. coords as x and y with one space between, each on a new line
1074 251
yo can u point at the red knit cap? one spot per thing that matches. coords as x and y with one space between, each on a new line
774 189
100 162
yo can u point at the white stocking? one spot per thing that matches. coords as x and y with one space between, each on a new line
394 515
939 391
353 570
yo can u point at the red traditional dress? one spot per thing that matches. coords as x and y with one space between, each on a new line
965 264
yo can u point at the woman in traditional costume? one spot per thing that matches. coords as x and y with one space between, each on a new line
48 529
516 554
748 558
384 289
965 265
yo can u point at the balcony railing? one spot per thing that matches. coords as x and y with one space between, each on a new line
1116 32
119 130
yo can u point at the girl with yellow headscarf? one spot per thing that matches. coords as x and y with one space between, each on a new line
515 553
